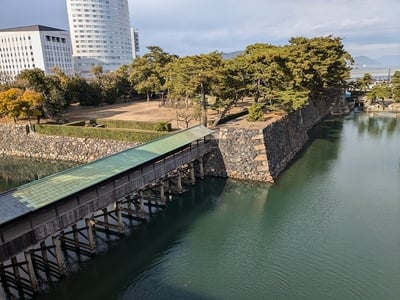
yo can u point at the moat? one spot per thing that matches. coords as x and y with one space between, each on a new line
329 229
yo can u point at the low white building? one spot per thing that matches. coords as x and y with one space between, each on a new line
34 46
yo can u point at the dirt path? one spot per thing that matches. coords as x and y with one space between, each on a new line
138 110
151 111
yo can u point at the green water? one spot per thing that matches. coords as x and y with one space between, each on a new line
330 229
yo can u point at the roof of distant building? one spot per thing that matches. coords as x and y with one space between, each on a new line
30 28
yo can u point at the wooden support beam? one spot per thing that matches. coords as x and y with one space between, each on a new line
71 244
107 226
3 279
62 234
105 216
179 184
129 205
75 235
31 271
108 216
167 184
192 177
133 214
18 281
43 251
162 192
77 245
58 254
201 165
118 214
15 267
141 212
133 206
90 236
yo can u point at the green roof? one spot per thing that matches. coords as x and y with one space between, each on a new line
47 190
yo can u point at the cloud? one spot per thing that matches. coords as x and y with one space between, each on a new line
188 27
198 26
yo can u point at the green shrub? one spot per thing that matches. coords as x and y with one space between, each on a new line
133 124
255 113
162 126
118 134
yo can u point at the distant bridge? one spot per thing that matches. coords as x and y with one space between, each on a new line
51 209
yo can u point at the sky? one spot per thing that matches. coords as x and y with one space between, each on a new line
188 27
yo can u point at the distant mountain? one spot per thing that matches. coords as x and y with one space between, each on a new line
230 55
359 61
366 61
390 60
383 61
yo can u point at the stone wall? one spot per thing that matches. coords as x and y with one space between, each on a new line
238 153
262 154
17 141
259 154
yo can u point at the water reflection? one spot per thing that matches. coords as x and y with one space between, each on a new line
319 155
327 230
376 125
135 264
15 171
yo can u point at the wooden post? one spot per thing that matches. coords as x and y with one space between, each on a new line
141 212
15 267
3 278
167 185
62 240
31 270
105 215
76 237
180 189
129 204
201 168
17 276
162 192
43 251
58 254
118 214
90 236
192 177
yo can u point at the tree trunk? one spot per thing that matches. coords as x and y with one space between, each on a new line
203 107
226 109
29 121
148 96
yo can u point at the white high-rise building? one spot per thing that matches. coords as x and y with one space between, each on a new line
100 34
34 46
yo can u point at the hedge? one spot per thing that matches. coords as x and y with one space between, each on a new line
158 126
118 134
